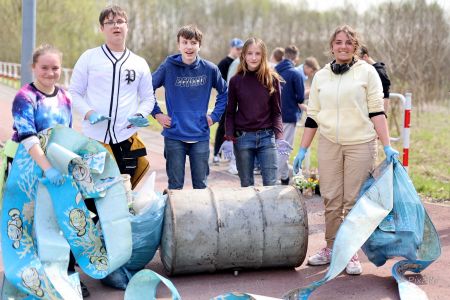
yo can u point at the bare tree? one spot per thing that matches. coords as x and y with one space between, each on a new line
411 36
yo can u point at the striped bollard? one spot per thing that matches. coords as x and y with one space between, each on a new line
406 130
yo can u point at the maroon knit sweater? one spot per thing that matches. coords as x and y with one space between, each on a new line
251 108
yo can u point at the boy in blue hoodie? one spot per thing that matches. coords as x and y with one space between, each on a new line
188 80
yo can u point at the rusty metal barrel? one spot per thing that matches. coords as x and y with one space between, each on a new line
233 228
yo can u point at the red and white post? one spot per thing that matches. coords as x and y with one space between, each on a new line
406 129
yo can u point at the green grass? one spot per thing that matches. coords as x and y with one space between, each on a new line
429 161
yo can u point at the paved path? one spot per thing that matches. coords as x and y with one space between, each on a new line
374 283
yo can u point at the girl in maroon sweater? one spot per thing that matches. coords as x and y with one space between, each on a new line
253 115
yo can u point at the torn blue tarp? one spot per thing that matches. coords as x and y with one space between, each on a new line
146 229
40 221
401 231
387 220
146 282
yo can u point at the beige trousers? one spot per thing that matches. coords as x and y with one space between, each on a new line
342 170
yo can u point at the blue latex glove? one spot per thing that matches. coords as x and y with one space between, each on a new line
95 117
284 148
390 153
299 159
138 120
227 150
54 176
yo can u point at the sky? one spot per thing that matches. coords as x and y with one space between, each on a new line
360 5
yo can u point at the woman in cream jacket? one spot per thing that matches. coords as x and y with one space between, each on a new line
346 106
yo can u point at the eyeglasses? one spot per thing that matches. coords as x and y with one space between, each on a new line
114 23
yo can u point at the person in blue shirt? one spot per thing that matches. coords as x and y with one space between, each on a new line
188 80
224 66
292 96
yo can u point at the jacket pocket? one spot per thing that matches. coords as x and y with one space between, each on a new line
189 123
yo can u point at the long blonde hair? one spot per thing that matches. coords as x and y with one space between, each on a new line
265 74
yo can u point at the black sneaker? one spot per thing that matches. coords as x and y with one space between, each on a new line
285 181
84 290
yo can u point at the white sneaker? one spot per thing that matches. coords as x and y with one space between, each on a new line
321 258
354 266
216 159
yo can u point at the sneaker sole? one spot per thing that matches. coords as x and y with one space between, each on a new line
353 273
318 263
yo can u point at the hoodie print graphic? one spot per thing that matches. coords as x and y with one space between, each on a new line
190 81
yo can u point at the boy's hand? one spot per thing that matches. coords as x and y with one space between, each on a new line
209 119
164 120
95 117
138 120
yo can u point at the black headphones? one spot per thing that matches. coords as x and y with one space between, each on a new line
341 68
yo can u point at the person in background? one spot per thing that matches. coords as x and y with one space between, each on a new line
224 65
112 90
232 70
346 105
277 56
227 148
253 116
188 80
307 70
292 96
381 70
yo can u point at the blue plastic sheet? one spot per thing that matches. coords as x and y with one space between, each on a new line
405 230
401 232
118 279
37 266
146 282
146 230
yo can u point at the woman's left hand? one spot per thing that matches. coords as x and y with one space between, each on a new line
390 153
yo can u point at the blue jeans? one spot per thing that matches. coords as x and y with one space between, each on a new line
261 145
175 153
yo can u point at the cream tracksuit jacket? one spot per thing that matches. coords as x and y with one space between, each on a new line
340 104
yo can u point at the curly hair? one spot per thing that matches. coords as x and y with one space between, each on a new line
351 33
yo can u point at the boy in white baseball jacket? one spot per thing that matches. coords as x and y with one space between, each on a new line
112 90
